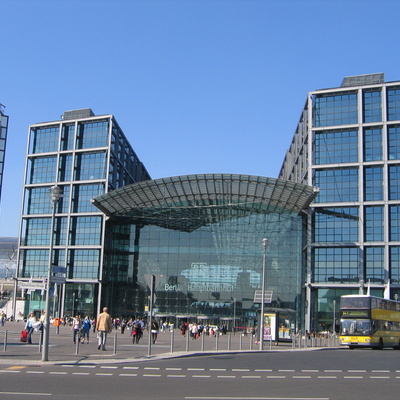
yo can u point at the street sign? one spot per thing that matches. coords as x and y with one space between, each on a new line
57 279
55 269
32 285
267 296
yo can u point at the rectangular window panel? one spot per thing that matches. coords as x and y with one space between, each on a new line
44 140
335 109
67 137
372 104
394 221
90 166
92 134
373 183
82 196
394 262
85 231
394 182
336 185
374 264
83 264
336 225
334 147
394 142
393 103
373 223
41 169
336 265
65 168
373 150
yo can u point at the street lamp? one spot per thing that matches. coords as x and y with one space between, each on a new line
55 196
265 243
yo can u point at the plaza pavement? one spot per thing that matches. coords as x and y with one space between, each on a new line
120 348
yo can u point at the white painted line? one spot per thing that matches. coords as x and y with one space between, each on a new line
240 370
151 375
301 377
201 376
227 376
353 377
57 373
333 370
87 366
176 376
218 369
7 370
379 377
27 394
382 371
310 370
109 367
34 372
263 370
286 370
196 369
127 375
156 368
327 377
103 374
251 377
130 368
276 377
173 369
357 370
80 373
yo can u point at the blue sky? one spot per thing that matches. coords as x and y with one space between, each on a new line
197 86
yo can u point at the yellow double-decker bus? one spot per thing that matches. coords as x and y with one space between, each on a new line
368 321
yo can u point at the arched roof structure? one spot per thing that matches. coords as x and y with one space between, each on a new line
188 202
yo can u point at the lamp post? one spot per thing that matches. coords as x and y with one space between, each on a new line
55 193
265 243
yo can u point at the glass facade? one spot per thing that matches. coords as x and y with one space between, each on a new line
76 154
201 236
354 226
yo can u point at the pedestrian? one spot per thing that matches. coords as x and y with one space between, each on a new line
30 326
154 330
86 323
103 326
76 327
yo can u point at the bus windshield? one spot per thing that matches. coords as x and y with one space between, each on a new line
356 327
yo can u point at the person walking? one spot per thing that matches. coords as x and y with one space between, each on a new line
86 323
103 326
76 327
154 330
30 326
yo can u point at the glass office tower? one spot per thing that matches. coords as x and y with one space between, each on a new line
347 144
3 141
85 155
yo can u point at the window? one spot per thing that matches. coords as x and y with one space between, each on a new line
394 223
393 103
372 104
335 147
44 140
81 196
90 166
336 265
92 134
83 264
373 144
394 142
85 231
394 182
41 169
374 264
374 224
394 262
335 109
373 183
336 225
336 185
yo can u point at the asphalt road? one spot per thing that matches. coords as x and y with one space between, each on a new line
331 374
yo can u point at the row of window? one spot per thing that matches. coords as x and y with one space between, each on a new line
341 225
341 145
341 108
342 185
342 265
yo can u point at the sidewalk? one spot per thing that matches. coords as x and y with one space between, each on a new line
119 346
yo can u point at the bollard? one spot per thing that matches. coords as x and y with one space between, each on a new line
202 340
241 342
216 340
77 344
5 340
187 341
172 341
115 343
251 342
229 341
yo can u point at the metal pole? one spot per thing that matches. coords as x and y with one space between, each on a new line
234 316
261 328
152 284
56 193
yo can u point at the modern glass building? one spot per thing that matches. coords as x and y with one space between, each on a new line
347 144
200 236
85 155
3 142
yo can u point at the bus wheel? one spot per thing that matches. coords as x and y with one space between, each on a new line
397 347
351 347
380 345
